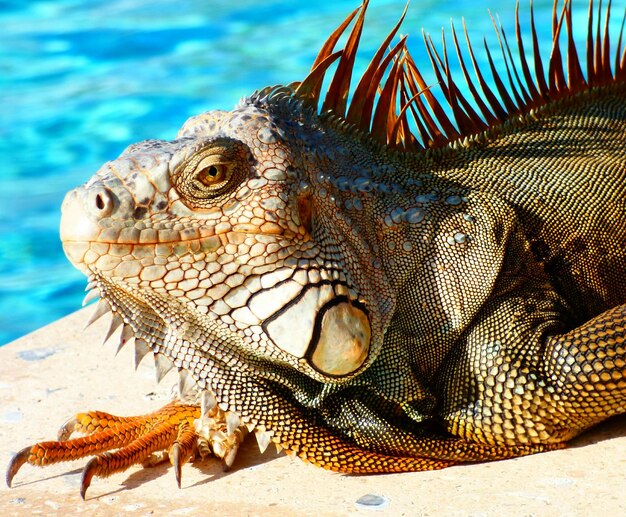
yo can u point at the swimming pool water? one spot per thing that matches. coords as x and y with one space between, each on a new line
80 80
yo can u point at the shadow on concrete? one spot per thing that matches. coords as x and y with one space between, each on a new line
248 456
614 427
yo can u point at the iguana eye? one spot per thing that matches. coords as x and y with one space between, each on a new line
209 176
213 174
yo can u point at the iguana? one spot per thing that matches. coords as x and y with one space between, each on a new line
386 282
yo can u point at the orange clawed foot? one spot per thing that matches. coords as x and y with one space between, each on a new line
181 430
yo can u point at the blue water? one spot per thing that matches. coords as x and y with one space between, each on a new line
80 80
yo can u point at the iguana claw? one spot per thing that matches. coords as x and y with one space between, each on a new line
182 449
16 463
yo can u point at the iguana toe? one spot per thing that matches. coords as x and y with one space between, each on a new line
177 430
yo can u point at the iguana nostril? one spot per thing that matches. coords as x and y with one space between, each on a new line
102 202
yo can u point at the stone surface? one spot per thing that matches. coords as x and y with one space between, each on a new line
59 370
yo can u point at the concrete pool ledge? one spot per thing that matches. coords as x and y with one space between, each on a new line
59 370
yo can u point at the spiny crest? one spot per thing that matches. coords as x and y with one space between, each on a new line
392 98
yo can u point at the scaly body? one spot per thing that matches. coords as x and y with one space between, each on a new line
369 299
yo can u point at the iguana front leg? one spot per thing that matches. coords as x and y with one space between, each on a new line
180 430
539 388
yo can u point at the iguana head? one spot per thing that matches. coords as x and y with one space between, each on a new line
236 221
247 220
